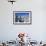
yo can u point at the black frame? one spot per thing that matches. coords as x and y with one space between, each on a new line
22 23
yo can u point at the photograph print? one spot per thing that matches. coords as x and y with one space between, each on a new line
22 17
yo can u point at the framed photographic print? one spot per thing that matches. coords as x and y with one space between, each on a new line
22 17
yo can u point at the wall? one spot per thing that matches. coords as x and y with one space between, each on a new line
9 31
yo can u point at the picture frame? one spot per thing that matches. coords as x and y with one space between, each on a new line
22 17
